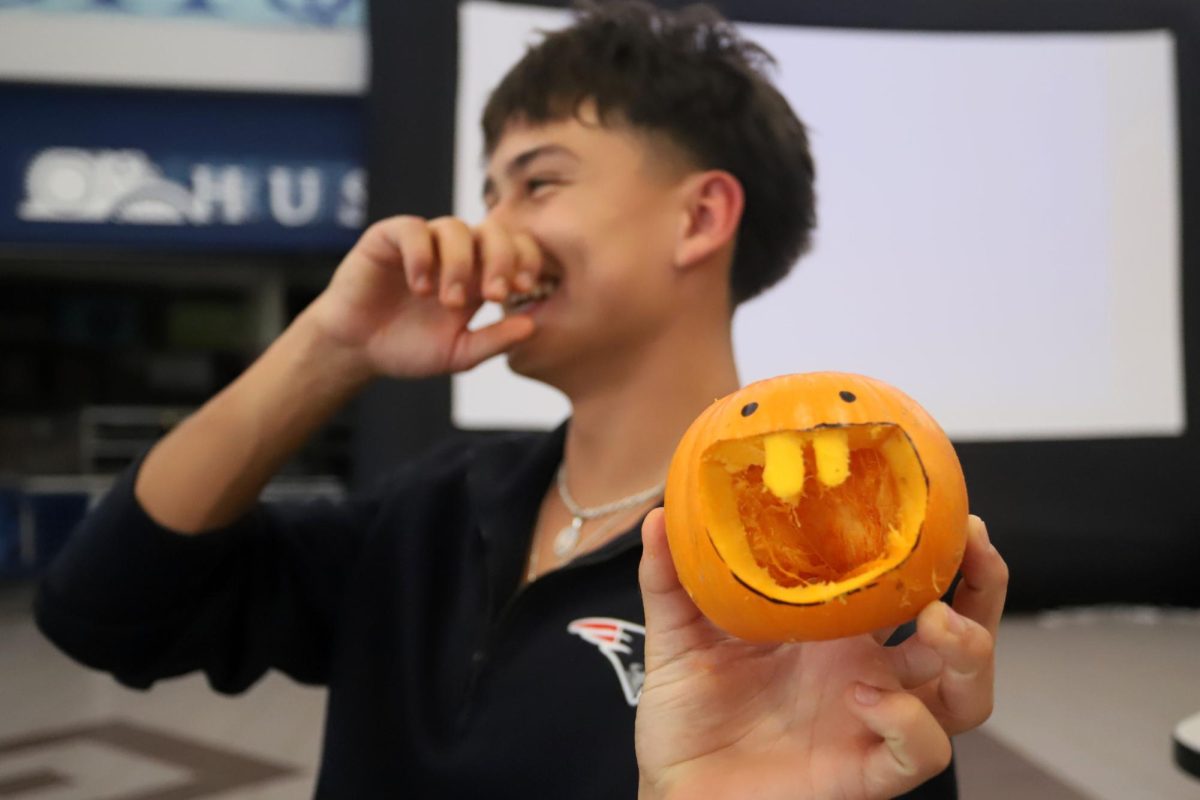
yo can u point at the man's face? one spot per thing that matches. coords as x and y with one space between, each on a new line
604 205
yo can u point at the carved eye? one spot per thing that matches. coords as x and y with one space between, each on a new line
749 409
847 396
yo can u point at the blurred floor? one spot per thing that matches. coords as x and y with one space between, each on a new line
1085 707
103 743
1093 695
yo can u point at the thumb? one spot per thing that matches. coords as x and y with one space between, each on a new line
670 613
473 347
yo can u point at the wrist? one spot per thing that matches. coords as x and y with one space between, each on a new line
345 367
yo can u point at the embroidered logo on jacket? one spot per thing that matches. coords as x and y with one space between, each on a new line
623 644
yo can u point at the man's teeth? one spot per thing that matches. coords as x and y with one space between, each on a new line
540 292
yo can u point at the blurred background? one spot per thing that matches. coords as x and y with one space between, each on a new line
1009 200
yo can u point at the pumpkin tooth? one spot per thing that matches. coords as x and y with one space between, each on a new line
831 450
783 465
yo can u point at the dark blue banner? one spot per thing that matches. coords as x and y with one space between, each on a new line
180 170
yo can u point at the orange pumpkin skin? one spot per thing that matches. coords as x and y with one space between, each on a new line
816 402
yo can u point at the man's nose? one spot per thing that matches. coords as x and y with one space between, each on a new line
503 214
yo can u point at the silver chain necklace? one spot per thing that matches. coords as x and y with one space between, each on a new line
604 528
567 539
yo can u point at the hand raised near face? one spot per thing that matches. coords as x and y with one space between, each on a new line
403 296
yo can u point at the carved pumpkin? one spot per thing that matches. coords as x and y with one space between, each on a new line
815 506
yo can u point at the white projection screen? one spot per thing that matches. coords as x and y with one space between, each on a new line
998 226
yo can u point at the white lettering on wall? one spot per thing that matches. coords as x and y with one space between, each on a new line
295 202
68 184
222 188
352 210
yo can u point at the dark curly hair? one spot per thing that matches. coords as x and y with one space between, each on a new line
689 75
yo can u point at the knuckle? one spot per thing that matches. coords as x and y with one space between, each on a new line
456 268
450 224
983 644
1002 571
420 260
969 720
379 228
908 711
941 755
397 227
501 262
455 259
984 713
402 232
975 714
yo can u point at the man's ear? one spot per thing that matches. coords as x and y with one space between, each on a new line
712 209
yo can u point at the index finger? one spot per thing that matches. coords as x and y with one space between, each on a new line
413 239
981 593
498 257
454 243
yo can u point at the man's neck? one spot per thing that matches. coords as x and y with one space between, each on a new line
623 432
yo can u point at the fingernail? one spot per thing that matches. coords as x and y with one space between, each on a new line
456 294
524 281
420 281
954 621
498 286
867 695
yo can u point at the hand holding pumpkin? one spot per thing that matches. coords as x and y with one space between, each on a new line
403 296
806 516
720 717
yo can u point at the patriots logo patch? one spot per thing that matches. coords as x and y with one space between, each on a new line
624 645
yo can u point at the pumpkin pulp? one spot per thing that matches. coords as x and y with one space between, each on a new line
802 517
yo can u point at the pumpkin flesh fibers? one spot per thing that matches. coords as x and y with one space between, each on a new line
805 517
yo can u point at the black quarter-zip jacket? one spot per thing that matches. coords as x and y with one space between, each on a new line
445 679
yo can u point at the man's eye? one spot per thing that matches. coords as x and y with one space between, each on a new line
534 185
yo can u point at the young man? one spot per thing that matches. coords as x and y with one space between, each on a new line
643 179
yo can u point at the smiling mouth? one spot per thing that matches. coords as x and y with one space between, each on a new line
520 301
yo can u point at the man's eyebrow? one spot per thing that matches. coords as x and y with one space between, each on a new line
523 160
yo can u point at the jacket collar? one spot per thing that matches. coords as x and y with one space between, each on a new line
506 481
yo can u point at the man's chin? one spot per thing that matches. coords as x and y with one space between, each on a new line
522 361
528 361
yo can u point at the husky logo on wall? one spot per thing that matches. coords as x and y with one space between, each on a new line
65 184
319 13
